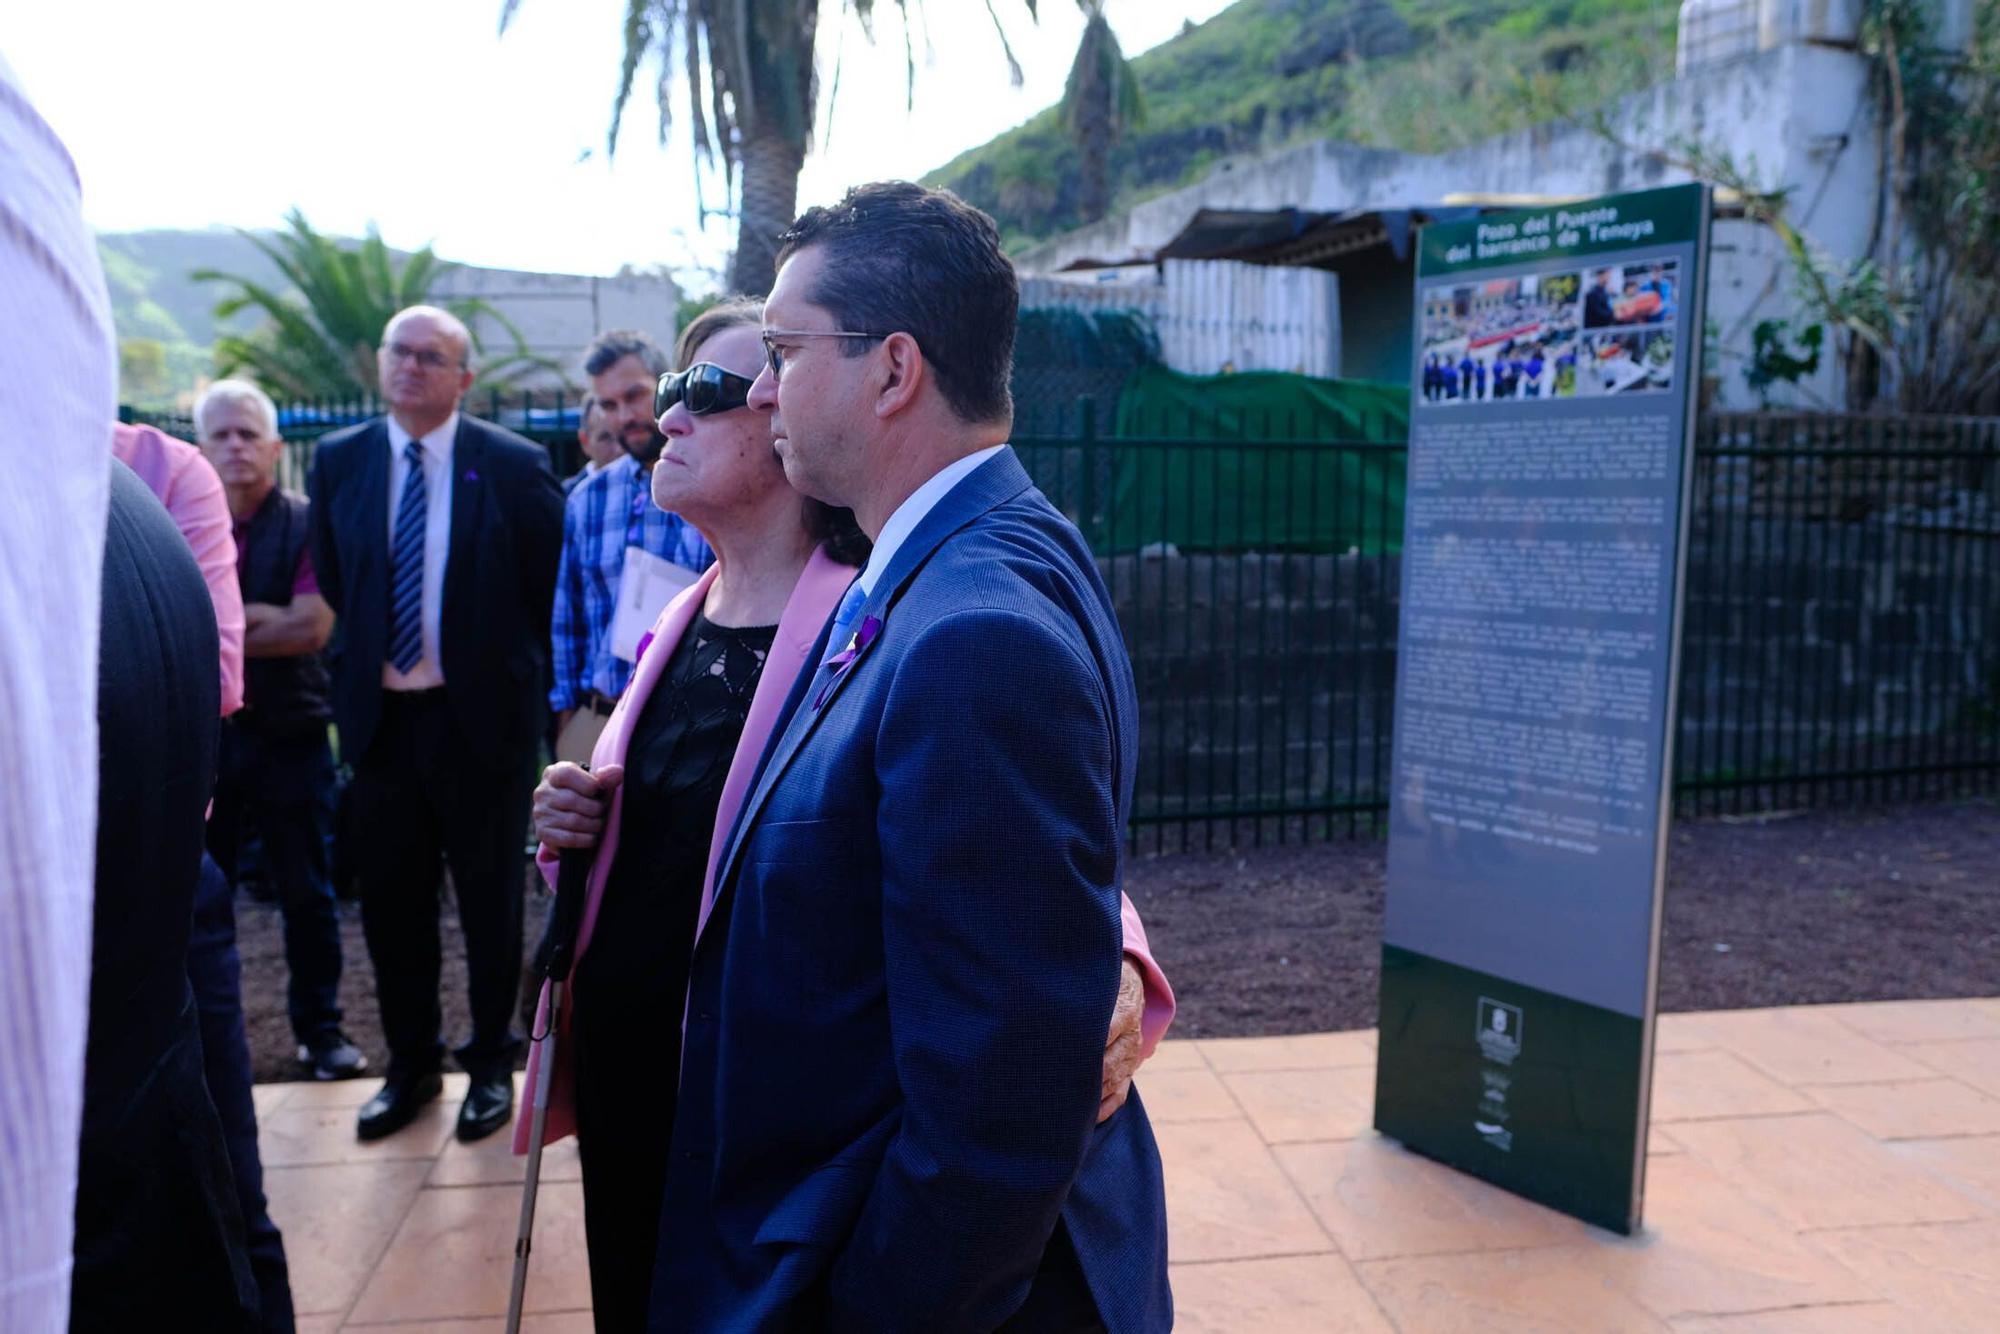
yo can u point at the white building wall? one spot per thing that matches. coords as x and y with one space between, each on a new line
1797 116
559 313
1216 315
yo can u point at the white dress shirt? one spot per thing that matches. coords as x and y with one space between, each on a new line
429 671
58 397
912 511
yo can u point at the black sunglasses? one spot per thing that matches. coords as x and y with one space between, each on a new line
705 387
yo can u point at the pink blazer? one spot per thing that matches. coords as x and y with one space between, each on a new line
819 590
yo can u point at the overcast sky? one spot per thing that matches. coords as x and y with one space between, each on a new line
416 116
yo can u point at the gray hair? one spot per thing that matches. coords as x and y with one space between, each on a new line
242 393
614 345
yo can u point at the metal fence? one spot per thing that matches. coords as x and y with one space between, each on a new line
1841 642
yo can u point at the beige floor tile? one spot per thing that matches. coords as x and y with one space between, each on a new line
1970 1164
1304 1294
1660 1144
1805 1045
1912 1109
1679 1032
1866 1318
1498 1292
1707 1250
296 1136
317 1324
492 1161
1944 1276
337 1221
1293 1106
354 1092
550 1322
1304 1051
1379 1199
1226 1197
1185 1095
1695 1085
1919 1020
453 1256
1976 1063
1817 1171
269 1097
1175 1054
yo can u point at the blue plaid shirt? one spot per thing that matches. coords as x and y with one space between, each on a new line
609 510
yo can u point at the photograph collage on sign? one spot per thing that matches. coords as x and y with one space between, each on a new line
1600 330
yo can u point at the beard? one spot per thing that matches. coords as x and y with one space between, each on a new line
646 451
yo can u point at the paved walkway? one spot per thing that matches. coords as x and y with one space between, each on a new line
1812 1169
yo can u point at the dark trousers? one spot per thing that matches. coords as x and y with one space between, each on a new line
423 800
278 786
626 1077
215 975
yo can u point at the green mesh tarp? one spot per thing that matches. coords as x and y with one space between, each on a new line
1261 461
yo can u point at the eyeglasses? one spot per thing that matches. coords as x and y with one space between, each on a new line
427 357
705 387
774 356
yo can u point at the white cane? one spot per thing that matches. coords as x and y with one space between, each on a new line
553 967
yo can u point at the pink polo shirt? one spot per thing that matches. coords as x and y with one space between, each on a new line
187 485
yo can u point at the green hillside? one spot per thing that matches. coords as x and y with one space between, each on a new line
1420 75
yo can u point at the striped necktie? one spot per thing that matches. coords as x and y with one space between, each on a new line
406 566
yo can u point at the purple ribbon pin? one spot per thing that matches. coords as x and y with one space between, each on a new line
640 651
871 626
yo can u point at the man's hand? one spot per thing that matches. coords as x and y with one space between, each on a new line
1122 1048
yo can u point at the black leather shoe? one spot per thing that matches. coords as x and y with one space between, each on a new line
397 1104
489 1104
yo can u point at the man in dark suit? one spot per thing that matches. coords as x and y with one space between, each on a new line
1597 311
158 1224
435 538
916 917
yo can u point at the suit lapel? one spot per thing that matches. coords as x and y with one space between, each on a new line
369 590
999 479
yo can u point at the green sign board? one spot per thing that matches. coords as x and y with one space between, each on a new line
1545 531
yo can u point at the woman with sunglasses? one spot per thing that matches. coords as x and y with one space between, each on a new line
675 761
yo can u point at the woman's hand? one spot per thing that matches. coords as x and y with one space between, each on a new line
571 802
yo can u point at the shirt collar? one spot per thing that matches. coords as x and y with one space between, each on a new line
437 442
912 511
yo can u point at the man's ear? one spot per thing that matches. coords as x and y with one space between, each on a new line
903 373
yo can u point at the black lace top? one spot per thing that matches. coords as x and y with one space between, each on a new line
679 756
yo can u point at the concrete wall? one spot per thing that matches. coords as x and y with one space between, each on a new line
1799 115
559 313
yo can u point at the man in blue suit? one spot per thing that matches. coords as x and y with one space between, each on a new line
897 1008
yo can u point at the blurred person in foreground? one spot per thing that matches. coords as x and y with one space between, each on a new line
435 541
195 499
673 766
58 389
276 762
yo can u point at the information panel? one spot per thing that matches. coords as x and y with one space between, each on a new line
1545 530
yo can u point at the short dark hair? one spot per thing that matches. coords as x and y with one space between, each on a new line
904 259
832 527
614 345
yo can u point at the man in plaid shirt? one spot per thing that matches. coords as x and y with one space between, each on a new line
608 511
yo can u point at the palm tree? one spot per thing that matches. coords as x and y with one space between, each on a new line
318 338
1100 103
748 71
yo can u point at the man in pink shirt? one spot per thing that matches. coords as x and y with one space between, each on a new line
176 472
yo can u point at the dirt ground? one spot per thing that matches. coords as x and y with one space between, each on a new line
1824 906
